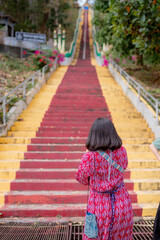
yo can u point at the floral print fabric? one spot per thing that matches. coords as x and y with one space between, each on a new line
112 225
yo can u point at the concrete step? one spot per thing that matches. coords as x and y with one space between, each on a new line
71 184
57 197
62 147
82 134
68 163
54 185
65 210
61 173
75 155
12 140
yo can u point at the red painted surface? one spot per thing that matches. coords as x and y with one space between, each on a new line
49 164
63 210
52 157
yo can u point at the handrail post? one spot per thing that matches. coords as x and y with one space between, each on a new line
4 111
43 72
39 76
33 81
127 81
24 91
157 121
139 92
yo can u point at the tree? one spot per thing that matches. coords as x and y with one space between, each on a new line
133 26
39 16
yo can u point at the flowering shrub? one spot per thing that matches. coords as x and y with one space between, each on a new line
40 58
105 61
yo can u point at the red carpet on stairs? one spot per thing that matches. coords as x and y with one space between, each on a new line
45 185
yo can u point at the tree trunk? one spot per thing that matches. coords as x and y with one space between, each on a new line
56 6
139 58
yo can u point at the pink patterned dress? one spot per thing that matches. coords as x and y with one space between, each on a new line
108 197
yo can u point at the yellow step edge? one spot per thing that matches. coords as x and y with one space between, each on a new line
149 209
145 173
11 155
10 140
5 185
25 128
5 164
146 184
12 152
148 196
22 134
140 164
7 174
1 198
13 147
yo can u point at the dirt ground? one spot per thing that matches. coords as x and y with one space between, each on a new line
148 77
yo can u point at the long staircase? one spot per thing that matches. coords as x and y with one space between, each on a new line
41 153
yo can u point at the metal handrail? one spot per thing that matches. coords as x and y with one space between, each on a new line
142 93
38 74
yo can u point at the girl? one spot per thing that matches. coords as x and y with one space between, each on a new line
108 197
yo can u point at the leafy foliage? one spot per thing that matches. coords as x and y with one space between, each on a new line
130 26
38 16
40 58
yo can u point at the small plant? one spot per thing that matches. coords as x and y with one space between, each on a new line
1 116
40 58
13 101
30 86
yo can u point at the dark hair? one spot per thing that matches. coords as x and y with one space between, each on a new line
103 136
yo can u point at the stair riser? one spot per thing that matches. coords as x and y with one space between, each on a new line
47 186
74 118
70 164
61 134
52 175
70 124
55 148
59 129
75 140
53 164
61 148
59 141
48 199
74 155
53 213
84 134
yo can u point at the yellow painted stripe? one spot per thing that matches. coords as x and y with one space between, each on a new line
145 174
146 184
22 132
1 198
77 50
93 60
149 210
148 196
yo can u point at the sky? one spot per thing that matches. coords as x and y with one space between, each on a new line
81 2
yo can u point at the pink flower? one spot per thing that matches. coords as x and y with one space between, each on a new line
43 56
37 52
133 58
24 52
124 61
117 59
105 62
55 52
40 60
